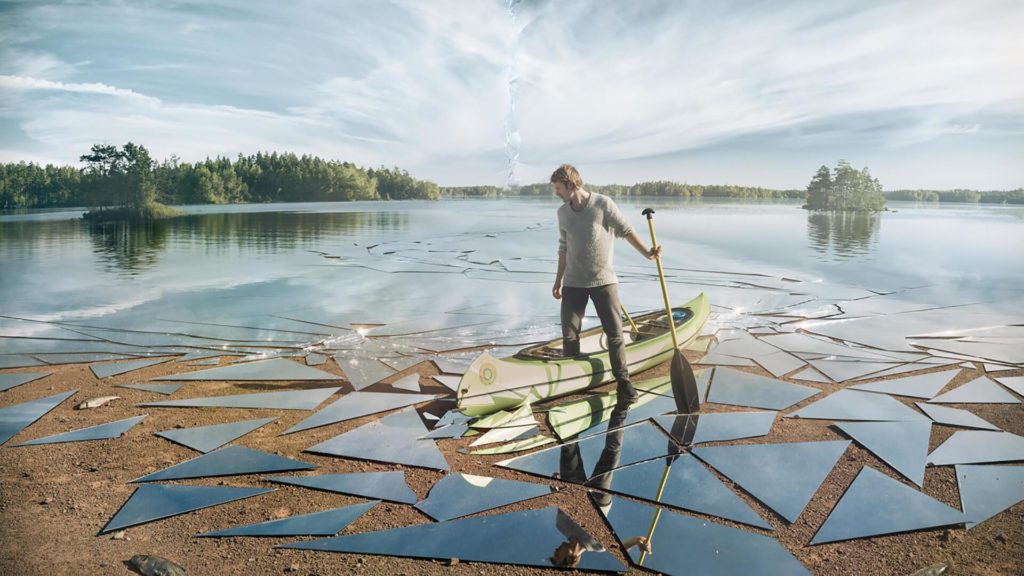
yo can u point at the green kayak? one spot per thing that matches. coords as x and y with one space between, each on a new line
541 372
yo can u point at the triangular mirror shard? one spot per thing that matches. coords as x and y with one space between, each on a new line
449 382
14 419
357 404
923 386
811 375
715 359
410 383
717 427
978 391
988 490
858 405
393 439
260 370
843 370
165 389
388 486
325 523
361 370
527 538
954 417
207 438
744 389
595 455
8 381
449 431
291 400
458 495
783 476
114 368
902 445
875 504
152 502
978 447
230 461
98 432
689 486
685 545
1015 383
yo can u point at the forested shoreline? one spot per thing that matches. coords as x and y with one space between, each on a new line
113 177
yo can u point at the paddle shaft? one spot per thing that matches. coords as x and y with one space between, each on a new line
664 290
657 514
631 323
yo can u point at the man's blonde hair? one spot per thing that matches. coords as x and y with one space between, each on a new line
568 175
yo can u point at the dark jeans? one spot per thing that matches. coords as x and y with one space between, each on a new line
606 303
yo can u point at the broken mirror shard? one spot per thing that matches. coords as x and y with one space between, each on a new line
527 538
165 389
260 370
515 446
978 447
988 490
843 370
452 365
715 359
410 383
458 495
779 363
230 461
114 368
357 404
782 476
902 445
8 381
393 439
152 502
449 382
291 400
978 391
1015 383
207 438
923 386
325 523
875 504
811 375
14 419
389 486
449 431
98 432
362 371
685 545
595 455
738 388
954 417
689 486
717 427
858 405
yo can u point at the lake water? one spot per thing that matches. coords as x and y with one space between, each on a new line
294 276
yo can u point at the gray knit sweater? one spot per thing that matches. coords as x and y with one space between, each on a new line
586 238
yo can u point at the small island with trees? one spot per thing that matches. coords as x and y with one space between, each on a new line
845 188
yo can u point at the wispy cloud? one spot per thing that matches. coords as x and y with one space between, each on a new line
625 89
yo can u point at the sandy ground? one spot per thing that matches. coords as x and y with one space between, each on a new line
54 499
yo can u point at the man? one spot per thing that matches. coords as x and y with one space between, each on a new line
588 224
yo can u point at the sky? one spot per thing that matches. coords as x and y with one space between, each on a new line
927 94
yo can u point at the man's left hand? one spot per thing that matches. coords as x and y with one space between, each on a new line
654 253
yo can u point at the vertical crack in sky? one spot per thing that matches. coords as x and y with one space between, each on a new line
511 126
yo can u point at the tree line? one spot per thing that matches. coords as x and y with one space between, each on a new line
655 188
128 178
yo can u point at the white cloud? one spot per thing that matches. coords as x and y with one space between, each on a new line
424 85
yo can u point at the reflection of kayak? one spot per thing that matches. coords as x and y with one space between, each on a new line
541 372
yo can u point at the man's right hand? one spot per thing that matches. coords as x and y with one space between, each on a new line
556 290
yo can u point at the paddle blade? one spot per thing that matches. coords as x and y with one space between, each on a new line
684 385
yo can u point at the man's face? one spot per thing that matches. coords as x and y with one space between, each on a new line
561 190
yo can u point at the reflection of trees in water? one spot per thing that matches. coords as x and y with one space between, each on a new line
133 247
844 234
129 246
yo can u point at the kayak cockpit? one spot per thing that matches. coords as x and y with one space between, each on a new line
593 340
